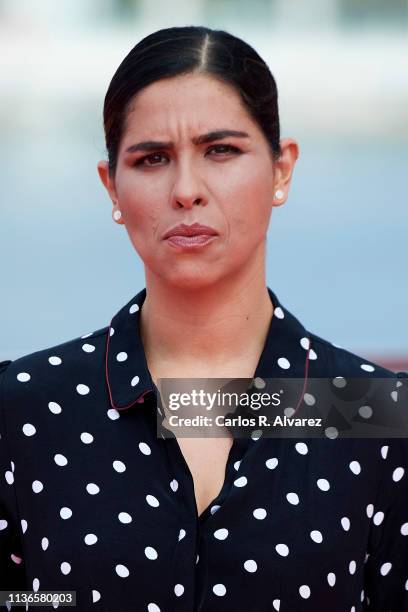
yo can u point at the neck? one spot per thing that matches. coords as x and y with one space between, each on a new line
213 328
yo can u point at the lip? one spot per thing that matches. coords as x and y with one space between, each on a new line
196 229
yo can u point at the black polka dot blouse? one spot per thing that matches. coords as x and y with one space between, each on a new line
92 500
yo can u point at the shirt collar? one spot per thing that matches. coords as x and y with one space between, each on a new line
285 352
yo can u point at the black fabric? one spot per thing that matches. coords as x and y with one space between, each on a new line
92 500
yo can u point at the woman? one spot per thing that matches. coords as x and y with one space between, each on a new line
93 500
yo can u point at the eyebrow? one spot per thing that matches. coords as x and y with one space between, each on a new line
150 145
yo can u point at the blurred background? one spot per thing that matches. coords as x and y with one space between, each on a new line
337 250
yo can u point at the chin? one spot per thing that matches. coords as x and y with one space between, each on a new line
190 278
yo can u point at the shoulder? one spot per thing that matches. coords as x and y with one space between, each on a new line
52 367
328 359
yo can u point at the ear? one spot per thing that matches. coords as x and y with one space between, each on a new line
107 180
284 166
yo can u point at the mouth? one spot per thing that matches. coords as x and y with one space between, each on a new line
190 237
196 229
195 241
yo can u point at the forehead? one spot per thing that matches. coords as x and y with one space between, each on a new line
194 100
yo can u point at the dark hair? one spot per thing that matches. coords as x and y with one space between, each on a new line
182 50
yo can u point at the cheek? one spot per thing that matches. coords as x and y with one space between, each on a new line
249 207
140 204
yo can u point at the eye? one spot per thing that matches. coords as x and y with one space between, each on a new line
225 148
151 157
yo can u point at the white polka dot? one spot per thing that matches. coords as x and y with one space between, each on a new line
355 467
60 459
54 407
259 513
24 525
236 465
179 589
113 414
54 360
3 524
250 565
339 382
304 591
92 488
88 348
90 539
305 343
370 510
384 451
323 484
385 568
404 529
152 607
221 534
65 568
331 432
144 448
366 412
86 437
134 381
367 367
282 550
151 553
23 376
398 474
36 584
301 448
292 498
86 335
134 308
9 477
28 429
271 463
352 567
276 604
312 354
259 383
316 536
283 363
124 517
331 579
214 509
309 399
95 595
219 589
65 512
278 312
44 543
122 356
378 518
152 501
82 389
119 466
37 486
181 534
241 481
111 331
122 570
345 523
173 484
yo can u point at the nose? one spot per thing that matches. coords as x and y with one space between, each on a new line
187 188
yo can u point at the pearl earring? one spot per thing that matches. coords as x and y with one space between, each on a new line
117 215
279 194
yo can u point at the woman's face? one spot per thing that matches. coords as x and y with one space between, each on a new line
227 182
